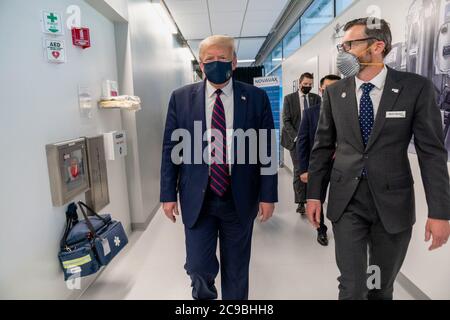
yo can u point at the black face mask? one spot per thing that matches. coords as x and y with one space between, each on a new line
219 72
306 90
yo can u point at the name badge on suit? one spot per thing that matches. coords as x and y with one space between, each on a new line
396 115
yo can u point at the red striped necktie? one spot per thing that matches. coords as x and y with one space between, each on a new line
220 174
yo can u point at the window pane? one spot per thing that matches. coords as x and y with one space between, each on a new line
317 16
277 55
341 5
268 64
291 41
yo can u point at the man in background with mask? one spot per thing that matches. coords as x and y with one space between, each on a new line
305 142
293 107
371 116
219 197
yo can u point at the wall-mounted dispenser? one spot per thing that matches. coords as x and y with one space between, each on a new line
115 145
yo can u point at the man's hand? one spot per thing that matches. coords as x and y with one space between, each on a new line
171 210
304 177
266 211
313 210
439 230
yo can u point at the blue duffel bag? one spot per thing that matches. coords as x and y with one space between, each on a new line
90 243
108 240
77 255
78 262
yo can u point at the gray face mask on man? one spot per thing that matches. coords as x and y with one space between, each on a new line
349 64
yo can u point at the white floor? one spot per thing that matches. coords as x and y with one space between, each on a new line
287 262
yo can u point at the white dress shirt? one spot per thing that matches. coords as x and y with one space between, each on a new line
227 98
378 81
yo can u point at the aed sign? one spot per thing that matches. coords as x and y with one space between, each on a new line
81 37
55 49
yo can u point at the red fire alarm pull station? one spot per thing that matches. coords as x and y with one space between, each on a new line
81 37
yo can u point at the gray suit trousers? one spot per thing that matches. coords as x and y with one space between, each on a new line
299 186
361 239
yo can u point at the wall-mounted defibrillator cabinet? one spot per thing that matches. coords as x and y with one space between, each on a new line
78 166
68 170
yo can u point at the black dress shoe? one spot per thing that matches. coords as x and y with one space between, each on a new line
301 208
322 238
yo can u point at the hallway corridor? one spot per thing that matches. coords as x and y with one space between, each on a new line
287 262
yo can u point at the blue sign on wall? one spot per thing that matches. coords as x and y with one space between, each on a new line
273 88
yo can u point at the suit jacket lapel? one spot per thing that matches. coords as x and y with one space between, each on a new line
240 114
240 106
198 105
391 92
297 105
350 111
311 100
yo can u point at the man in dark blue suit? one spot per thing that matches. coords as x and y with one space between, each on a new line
305 143
220 192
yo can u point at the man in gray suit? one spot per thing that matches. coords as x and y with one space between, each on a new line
371 116
293 107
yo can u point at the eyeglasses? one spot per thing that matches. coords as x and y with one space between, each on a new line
347 45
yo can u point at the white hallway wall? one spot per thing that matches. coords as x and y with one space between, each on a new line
427 270
39 106
159 66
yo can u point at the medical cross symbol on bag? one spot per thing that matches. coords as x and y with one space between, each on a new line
117 241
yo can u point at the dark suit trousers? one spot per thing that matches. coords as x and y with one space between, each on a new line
299 186
360 233
219 220
322 227
326 180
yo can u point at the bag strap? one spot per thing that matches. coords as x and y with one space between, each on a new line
71 220
88 222
82 204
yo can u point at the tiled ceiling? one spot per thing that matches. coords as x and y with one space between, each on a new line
249 21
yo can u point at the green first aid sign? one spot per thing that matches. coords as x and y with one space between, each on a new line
52 22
